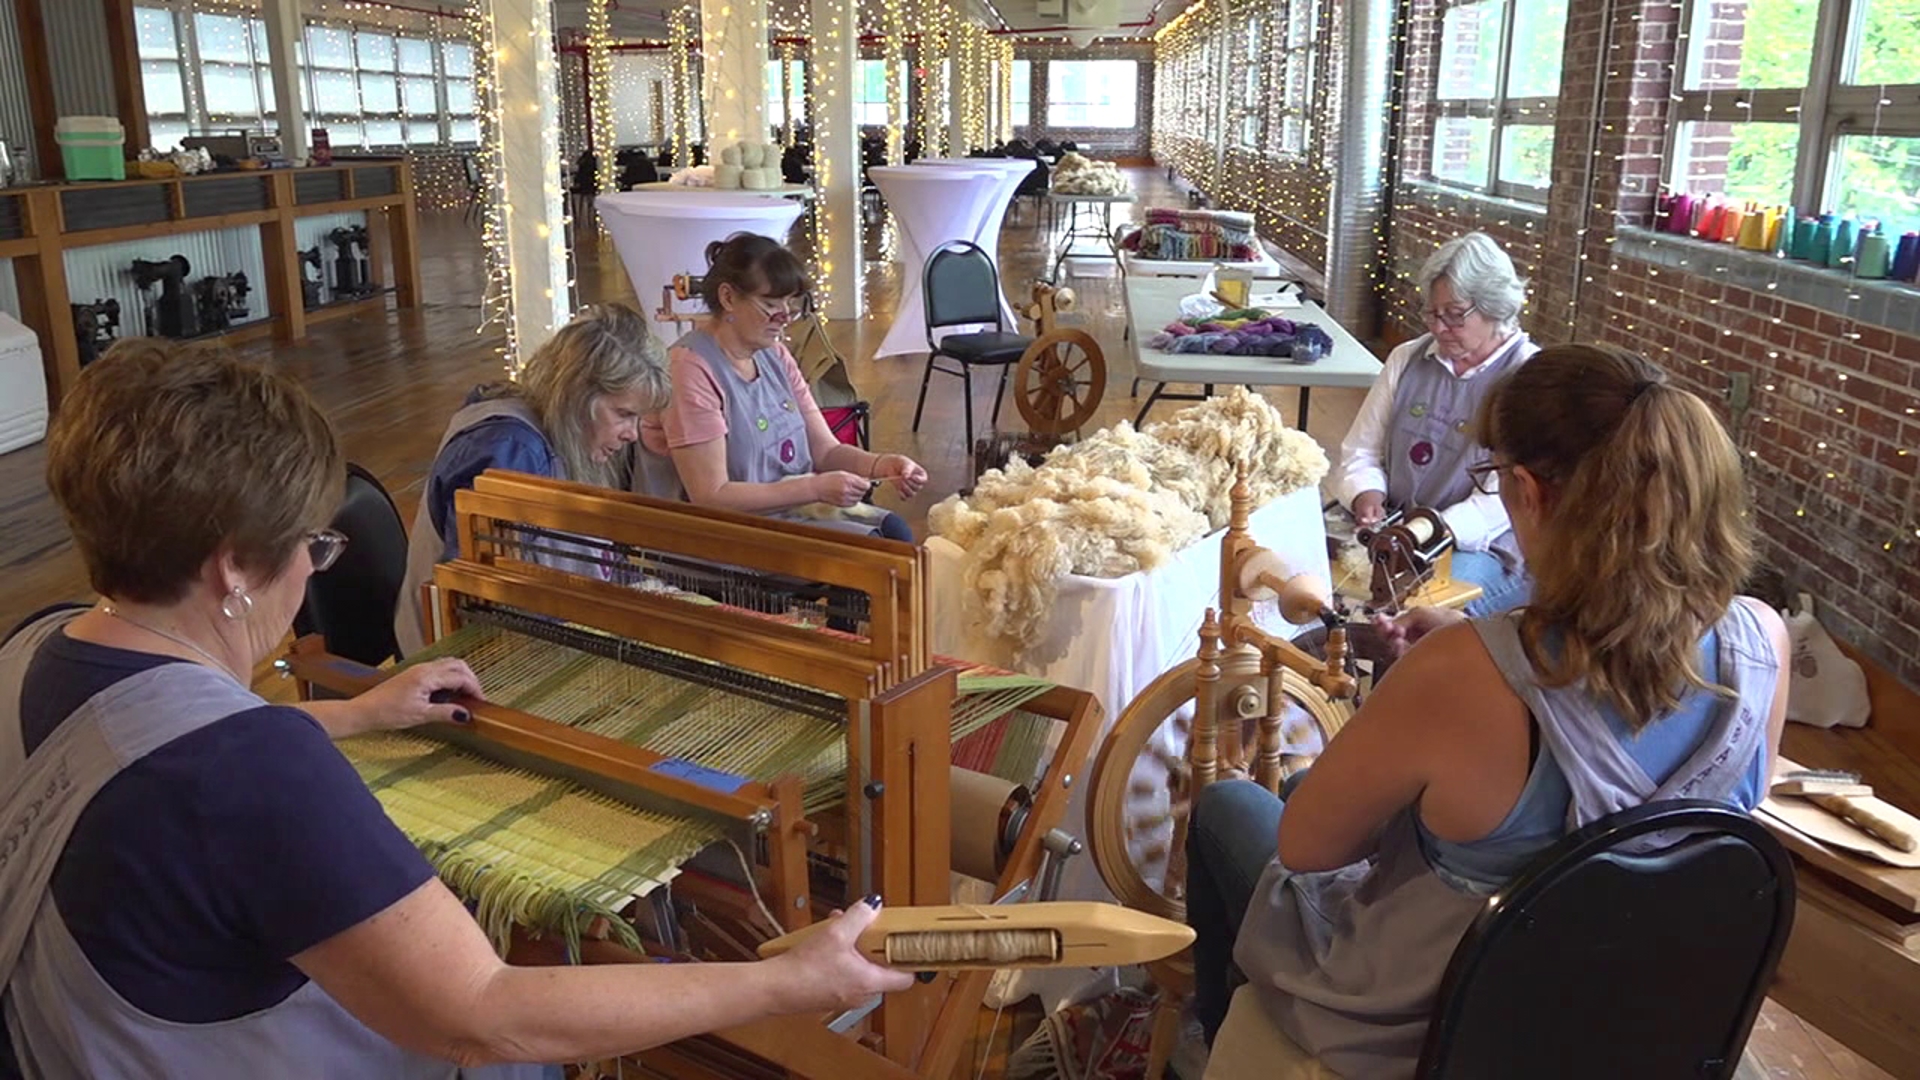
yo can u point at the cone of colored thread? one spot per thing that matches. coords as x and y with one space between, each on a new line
1822 247
1875 258
1906 261
1753 232
1845 239
1780 233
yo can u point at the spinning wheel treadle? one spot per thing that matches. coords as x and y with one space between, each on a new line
1138 808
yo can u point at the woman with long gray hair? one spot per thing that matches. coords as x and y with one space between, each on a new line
1410 444
572 416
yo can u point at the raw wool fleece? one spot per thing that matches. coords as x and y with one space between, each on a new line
1117 502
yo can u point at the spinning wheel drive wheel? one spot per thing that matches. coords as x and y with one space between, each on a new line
1138 808
1059 382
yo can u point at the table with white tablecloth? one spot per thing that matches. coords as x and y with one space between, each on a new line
1113 636
934 205
665 231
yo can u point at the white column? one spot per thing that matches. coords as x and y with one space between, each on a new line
834 65
733 41
283 38
524 98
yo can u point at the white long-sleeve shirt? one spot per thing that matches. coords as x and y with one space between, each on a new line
1477 520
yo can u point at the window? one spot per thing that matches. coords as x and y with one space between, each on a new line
419 90
1288 110
1249 80
1498 83
1093 93
776 104
1815 103
870 96
463 114
168 119
1022 93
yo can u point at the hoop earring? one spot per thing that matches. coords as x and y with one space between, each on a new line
245 604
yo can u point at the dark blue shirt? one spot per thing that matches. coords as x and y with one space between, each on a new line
194 874
498 442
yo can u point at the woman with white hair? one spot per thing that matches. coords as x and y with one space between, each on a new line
1410 444
572 415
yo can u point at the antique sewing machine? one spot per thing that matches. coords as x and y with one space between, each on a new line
1411 552
682 758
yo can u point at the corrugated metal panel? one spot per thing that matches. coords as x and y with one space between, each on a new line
16 119
96 273
82 62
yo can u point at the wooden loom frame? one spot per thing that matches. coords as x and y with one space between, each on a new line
898 805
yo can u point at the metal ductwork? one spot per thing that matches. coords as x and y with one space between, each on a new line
1357 207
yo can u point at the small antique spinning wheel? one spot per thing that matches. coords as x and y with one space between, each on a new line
1062 375
1248 705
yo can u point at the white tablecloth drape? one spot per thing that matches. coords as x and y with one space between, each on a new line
663 232
934 205
1113 636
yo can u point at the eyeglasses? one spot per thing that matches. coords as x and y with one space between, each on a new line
782 312
1452 320
1485 476
324 547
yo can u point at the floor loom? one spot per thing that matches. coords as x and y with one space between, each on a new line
651 707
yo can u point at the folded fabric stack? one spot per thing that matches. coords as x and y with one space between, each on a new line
1195 235
1248 332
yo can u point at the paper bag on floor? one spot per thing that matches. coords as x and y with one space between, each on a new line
1827 687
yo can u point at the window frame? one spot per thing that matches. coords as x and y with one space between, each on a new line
1052 104
1287 115
1825 110
1500 110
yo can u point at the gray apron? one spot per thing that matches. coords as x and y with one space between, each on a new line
1348 962
63 1019
1430 441
766 440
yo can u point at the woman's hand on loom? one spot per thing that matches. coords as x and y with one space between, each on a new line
838 488
826 971
1403 632
422 694
908 475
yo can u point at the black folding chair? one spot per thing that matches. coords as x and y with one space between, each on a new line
963 289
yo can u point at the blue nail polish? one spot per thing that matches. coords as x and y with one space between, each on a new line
874 901
925 976
462 716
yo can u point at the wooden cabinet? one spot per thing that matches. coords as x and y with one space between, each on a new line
40 224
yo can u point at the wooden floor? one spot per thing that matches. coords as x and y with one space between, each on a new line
390 381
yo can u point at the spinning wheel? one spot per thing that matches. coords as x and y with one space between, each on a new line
1250 704
1061 377
1143 785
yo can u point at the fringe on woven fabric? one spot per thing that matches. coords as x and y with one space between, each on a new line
502 899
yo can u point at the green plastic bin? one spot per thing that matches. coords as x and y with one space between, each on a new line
92 147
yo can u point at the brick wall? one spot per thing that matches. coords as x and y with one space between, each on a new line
1832 437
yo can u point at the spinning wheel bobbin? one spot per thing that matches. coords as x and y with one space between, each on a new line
1060 379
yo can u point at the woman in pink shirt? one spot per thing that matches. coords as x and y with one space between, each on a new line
742 431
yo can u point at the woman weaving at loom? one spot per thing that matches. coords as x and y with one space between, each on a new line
195 883
1409 445
743 431
571 416
1633 673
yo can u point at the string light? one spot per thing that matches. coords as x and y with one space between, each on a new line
497 300
894 56
680 40
600 94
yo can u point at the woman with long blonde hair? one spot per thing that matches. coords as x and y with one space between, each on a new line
1634 673
573 415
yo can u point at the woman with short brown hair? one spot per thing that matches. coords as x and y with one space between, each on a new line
194 882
